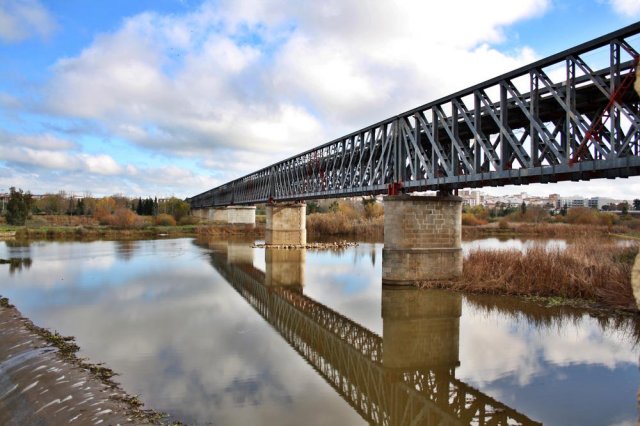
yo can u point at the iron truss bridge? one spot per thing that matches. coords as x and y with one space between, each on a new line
348 357
571 116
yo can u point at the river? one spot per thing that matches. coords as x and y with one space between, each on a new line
222 333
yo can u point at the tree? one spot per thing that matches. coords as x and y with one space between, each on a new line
175 207
636 204
18 207
523 208
624 208
563 210
139 206
79 210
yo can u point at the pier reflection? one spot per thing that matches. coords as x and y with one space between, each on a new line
407 376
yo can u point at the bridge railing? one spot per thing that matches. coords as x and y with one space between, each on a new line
561 118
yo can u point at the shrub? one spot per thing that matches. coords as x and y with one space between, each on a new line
104 208
469 219
175 207
534 214
164 219
188 220
123 218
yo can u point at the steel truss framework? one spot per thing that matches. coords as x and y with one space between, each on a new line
349 357
561 118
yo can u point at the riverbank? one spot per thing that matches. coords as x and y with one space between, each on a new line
43 381
97 232
589 272
341 225
320 227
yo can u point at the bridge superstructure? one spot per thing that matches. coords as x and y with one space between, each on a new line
571 116
350 358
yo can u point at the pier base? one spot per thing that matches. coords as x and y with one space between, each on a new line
286 224
422 239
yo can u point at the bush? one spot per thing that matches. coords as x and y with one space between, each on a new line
164 219
189 220
587 216
469 219
105 207
175 207
123 218
373 209
532 214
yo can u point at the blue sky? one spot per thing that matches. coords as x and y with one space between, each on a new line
174 97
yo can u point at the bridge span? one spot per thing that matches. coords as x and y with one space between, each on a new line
571 116
397 379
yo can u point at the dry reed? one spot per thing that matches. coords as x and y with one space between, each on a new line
221 230
549 230
340 224
588 269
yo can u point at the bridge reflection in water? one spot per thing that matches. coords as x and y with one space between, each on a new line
407 376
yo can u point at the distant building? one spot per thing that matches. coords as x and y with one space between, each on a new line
471 198
4 199
600 202
571 202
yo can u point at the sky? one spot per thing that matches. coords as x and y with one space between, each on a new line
173 97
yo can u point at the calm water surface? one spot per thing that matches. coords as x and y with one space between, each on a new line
222 333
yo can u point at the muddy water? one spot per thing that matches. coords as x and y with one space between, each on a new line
219 332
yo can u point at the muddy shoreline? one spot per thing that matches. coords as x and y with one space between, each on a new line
43 381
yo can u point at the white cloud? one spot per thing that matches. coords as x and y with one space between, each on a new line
101 164
45 141
22 19
272 79
629 8
44 163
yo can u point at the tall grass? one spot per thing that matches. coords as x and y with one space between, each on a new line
340 224
543 230
588 269
222 230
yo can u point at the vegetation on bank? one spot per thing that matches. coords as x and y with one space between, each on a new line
595 271
61 216
366 218
346 218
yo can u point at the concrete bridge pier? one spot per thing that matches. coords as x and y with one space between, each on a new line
231 215
199 213
218 215
241 215
422 239
286 224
